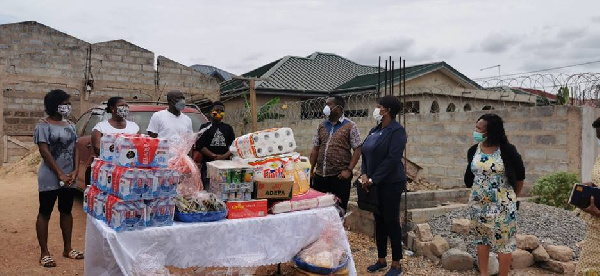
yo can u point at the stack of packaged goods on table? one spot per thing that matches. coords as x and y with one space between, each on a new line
131 186
279 173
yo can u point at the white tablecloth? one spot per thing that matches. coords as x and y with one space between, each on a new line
227 243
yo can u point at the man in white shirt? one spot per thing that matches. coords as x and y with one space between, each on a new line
171 122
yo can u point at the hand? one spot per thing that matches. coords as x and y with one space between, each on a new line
365 182
346 174
592 209
73 177
312 173
66 178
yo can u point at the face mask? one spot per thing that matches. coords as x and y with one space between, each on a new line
64 110
377 114
478 137
218 115
180 105
327 111
598 140
123 111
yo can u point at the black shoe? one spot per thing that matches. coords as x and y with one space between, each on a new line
376 267
394 271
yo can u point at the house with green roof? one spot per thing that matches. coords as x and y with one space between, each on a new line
433 87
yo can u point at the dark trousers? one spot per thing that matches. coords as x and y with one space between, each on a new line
387 222
204 174
332 184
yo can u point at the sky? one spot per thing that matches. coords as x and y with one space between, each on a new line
238 36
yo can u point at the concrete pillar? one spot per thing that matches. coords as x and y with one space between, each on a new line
2 145
588 143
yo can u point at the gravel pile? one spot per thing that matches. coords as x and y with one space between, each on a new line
551 225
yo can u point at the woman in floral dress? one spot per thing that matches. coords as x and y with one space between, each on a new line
495 173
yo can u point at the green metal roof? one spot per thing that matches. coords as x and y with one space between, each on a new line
370 80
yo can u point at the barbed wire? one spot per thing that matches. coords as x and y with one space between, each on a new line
584 88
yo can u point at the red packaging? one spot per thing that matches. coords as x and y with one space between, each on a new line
246 209
96 165
112 200
91 195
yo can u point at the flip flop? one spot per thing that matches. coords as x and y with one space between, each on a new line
74 254
47 261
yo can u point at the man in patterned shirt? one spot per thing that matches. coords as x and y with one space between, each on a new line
335 153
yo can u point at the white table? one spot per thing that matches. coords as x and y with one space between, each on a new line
228 243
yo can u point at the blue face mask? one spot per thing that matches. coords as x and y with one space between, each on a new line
478 137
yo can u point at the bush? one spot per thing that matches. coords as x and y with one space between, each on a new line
555 189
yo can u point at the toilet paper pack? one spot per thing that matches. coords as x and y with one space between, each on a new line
265 143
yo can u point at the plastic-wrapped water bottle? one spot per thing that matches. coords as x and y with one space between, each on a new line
169 185
104 181
100 206
85 198
107 147
126 154
161 158
153 180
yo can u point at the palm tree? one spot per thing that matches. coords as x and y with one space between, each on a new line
263 113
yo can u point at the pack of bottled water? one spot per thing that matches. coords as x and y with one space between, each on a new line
125 215
131 186
141 152
160 212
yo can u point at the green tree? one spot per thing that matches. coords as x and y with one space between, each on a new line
264 112
562 97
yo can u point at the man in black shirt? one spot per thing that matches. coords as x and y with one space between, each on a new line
215 142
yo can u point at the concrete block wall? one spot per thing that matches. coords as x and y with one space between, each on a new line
35 59
549 139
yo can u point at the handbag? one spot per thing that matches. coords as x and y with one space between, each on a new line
368 201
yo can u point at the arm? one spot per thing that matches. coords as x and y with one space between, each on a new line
206 152
394 156
314 153
355 158
96 136
519 171
73 175
519 188
468 179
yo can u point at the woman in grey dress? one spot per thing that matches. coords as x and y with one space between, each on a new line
56 137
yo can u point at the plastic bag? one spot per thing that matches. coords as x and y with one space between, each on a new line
328 251
150 262
191 179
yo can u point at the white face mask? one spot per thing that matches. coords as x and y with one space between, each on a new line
123 111
64 110
598 141
376 115
327 111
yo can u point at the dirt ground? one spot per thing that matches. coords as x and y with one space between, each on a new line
20 254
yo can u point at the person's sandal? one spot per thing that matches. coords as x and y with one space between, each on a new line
47 261
75 255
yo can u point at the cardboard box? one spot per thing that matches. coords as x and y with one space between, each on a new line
246 209
273 188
